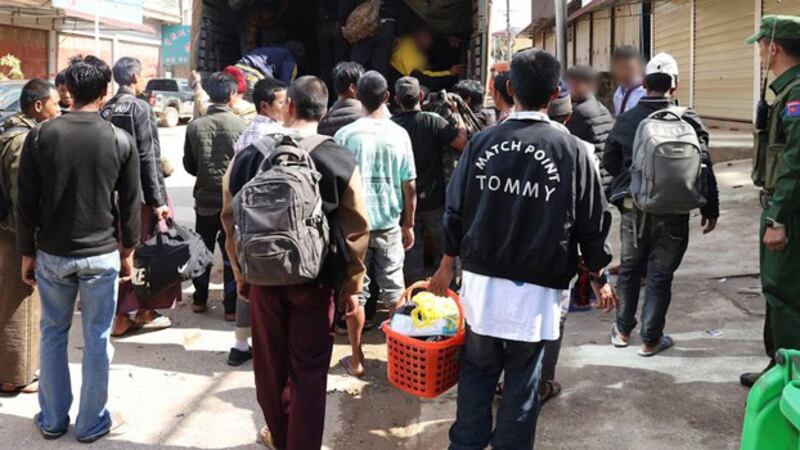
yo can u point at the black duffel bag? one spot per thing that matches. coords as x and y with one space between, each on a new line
168 257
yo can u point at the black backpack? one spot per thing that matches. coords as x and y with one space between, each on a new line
168 257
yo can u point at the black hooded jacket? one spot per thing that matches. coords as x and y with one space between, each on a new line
524 197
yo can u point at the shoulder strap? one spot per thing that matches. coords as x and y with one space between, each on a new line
310 143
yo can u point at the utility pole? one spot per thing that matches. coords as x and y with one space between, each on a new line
561 32
509 41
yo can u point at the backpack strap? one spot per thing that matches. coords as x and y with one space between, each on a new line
677 112
310 143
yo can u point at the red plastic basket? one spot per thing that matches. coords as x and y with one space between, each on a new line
421 368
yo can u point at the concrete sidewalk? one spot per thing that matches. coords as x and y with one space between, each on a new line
175 391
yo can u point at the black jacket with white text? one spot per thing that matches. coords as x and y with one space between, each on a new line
524 197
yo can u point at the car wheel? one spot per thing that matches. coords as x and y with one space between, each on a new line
170 118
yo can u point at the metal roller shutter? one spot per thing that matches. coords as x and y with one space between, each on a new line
786 7
601 40
723 89
583 36
671 29
626 25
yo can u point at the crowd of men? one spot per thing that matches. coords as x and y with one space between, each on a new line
521 224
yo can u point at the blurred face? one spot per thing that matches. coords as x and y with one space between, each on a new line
626 71
65 98
277 109
580 89
423 39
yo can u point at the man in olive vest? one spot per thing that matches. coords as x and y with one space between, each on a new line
777 172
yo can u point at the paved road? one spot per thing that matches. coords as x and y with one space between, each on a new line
176 392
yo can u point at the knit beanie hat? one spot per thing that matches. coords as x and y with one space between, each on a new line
562 105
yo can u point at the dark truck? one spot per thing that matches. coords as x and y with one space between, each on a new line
172 100
218 30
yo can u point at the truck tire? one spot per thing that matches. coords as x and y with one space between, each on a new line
170 117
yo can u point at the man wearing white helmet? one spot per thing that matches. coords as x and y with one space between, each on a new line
652 244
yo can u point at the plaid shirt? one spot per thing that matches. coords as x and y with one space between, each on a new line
260 126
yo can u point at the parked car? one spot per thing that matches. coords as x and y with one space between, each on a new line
9 99
172 100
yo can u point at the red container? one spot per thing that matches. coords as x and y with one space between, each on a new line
421 368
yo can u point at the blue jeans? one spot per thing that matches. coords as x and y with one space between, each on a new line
657 251
59 281
483 359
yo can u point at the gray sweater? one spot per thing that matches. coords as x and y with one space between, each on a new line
342 113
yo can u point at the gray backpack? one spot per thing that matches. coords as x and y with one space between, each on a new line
281 231
666 171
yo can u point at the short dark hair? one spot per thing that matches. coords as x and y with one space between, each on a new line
221 87
470 91
87 79
626 52
33 91
534 77
344 74
581 73
372 88
790 46
309 95
266 89
125 69
658 82
61 78
501 86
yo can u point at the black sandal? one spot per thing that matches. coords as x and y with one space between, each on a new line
553 389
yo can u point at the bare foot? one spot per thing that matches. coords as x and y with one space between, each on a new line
353 366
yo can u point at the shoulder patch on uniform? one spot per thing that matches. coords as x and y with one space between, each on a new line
792 109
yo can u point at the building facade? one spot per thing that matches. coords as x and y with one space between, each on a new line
720 74
45 35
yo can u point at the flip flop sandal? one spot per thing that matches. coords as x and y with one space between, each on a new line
617 338
345 362
133 327
553 389
159 323
665 343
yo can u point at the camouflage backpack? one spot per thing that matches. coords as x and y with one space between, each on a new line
363 22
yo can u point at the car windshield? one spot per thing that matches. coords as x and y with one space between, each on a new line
9 96
162 85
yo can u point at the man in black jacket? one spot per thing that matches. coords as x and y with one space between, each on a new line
74 238
591 120
134 115
655 244
524 197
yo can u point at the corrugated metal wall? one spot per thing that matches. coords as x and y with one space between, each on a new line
671 28
723 71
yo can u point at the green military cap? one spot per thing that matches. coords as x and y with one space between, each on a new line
784 27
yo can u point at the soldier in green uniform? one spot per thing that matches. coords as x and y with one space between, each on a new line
776 170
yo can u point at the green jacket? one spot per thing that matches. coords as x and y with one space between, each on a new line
786 190
208 150
11 144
